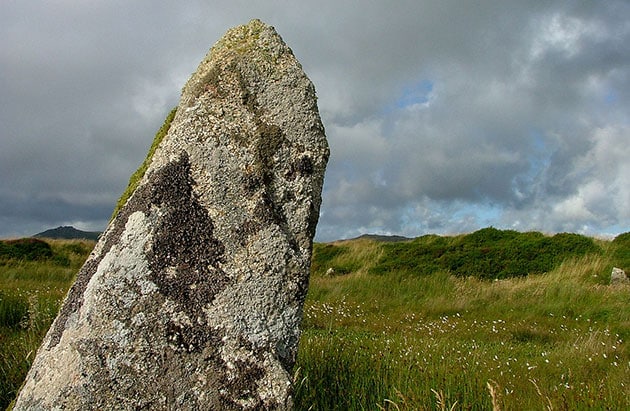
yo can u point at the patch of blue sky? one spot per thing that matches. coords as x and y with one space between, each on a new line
414 94
611 97
483 215
437 217
539 157
613 230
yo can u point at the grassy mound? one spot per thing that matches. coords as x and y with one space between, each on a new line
486 254
621 253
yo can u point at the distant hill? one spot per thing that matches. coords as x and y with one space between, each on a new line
380 238
68 233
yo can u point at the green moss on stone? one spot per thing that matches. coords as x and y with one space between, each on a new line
242 39
135 178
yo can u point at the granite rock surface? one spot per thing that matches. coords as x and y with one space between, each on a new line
193 296
618 277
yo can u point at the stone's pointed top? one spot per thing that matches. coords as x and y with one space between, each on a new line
193 296
255 46
242 38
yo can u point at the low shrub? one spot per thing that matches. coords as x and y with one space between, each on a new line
487 254
621 253
326 256
28 249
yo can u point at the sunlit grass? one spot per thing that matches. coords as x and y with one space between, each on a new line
30 295
402 341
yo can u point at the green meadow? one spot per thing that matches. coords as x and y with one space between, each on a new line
34 278
490 320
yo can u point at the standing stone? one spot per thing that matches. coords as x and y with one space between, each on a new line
618 277
192 298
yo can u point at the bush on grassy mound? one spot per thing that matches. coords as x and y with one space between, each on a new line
487 254
621 253
325 258
27 249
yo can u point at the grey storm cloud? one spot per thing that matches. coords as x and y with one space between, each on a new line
442 116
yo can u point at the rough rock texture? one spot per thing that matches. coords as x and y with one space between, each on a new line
193 296
618 277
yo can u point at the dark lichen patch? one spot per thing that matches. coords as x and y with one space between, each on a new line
305 166
245 374
246 230
269 140
249 100
301 167
185 256
268 212
184 242
252 181
241 139
189 338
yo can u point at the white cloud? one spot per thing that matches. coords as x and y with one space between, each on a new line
562 33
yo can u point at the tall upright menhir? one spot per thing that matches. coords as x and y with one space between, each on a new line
193 296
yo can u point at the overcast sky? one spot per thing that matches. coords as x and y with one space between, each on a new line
442 116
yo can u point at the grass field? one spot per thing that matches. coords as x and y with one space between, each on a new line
436 341
31 290
384 332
